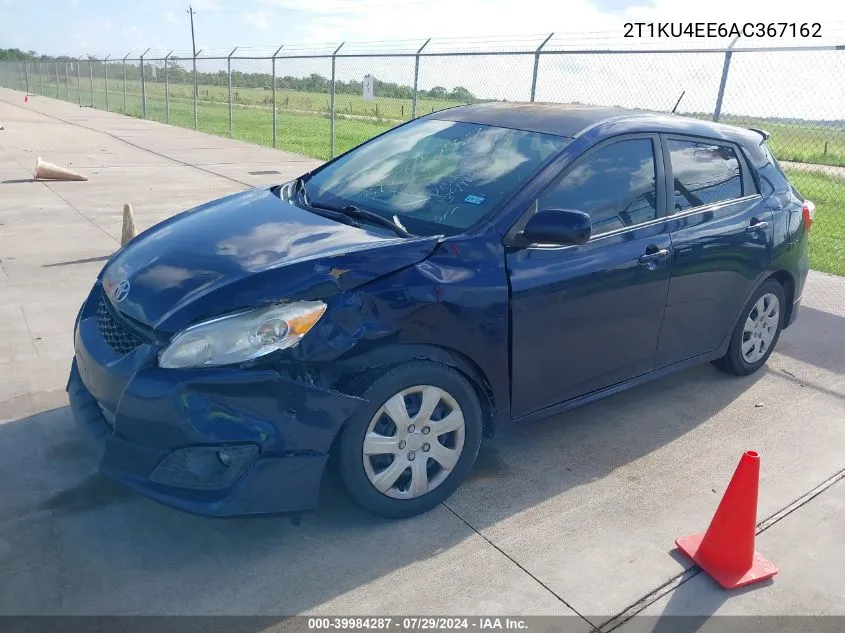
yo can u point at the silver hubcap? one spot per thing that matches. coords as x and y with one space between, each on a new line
760 328
413 442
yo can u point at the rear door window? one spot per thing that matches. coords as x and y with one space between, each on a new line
703 173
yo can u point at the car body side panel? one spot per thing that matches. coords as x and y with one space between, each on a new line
716 261
584 317
456 300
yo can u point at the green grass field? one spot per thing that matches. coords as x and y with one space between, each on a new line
800 142
827 236
805 142
302 118
302 126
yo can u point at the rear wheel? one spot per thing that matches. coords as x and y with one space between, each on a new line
414 443
757 332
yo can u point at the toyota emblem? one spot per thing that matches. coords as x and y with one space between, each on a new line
121 292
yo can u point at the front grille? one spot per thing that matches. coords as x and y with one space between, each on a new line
120 338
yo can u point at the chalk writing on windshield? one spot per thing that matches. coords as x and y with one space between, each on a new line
417 173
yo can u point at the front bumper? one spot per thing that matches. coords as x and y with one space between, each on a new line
217 442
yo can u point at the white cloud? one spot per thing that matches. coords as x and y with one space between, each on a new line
647 81
350 20
257 19
80 41
205 5
170 16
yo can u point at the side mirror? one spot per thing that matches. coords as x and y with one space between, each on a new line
557 226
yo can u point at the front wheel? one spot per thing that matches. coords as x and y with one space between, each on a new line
755 335
415 441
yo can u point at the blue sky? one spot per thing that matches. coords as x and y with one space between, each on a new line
259 27
78 27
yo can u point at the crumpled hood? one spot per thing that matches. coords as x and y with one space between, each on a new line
245 250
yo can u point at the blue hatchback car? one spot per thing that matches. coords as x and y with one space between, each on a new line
481 265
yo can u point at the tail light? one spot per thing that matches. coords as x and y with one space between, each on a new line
808 213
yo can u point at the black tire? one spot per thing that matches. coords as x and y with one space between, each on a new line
393 381
733 362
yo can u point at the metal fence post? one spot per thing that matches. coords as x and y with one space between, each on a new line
273 63
537 66
143 87
106 77
196 90
229 75
40 80
166 91
718 111
67 83
124 80
331 124
91 73
57 80
26 75
78 83
416 79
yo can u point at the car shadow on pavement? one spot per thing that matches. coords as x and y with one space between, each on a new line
818 340
73 542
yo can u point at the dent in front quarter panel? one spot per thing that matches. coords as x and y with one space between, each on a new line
456 299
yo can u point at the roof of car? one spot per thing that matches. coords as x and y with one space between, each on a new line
570 120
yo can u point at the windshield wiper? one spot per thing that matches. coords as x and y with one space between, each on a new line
351 211
332 214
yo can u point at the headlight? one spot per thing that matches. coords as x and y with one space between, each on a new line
240 337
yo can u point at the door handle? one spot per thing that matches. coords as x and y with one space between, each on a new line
756 225
663 253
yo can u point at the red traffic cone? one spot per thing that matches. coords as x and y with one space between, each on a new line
726 550
26 98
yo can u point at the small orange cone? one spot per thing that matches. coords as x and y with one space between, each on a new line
26 98
129 231
49 171
726 550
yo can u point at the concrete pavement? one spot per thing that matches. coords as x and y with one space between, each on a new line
574 515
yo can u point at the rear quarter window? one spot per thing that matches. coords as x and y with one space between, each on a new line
770 174
703 173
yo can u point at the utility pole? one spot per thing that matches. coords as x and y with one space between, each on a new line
191 13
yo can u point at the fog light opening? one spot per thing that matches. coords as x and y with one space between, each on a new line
204 467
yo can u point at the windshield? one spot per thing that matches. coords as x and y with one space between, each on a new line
437 177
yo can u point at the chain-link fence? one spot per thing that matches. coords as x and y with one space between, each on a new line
323 103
